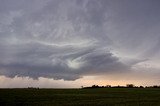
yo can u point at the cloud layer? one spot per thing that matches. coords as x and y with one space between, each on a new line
71 39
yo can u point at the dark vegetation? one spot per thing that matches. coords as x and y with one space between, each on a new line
88 96
127 86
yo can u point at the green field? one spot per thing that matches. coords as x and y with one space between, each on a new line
81 97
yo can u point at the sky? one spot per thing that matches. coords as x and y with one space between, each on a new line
74 43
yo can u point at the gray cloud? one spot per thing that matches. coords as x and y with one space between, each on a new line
70 39
68 62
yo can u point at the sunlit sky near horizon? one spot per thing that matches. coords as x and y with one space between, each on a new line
74 43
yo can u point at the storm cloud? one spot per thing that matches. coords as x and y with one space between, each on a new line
69 39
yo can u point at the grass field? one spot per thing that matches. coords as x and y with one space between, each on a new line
81 97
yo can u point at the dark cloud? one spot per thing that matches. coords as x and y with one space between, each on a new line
68 63
70 39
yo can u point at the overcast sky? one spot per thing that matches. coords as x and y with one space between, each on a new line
69 43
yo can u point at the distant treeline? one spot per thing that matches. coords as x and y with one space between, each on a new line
127 86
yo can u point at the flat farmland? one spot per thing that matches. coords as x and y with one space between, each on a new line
81 97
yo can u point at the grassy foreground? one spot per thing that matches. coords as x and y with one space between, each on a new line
81 97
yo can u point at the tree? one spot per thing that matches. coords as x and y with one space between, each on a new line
130 85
